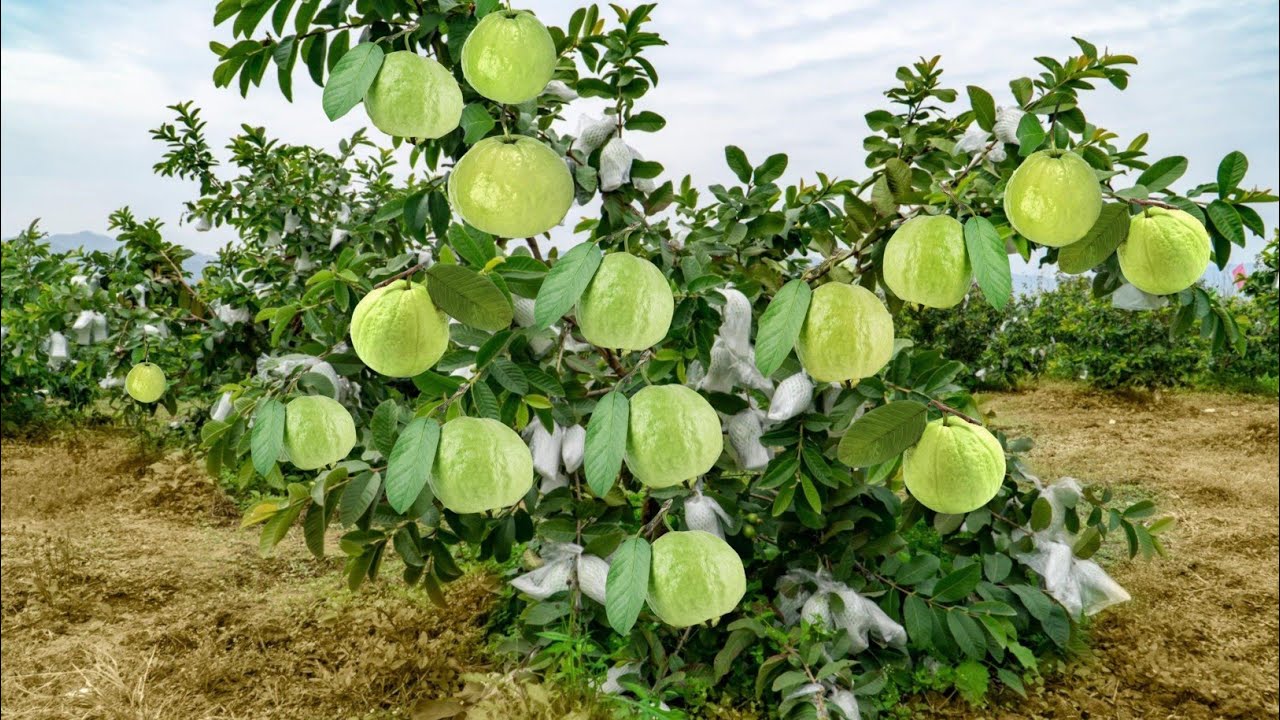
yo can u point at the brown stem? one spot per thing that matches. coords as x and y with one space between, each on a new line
652 526
533 248
1143 202
936 403
610 358
402 275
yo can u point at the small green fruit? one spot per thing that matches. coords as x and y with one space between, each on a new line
674 435
318 432
694 577
956 467
145 382
628 304
480 465
926 262
847 334
398 331
512 187
1053 198
1166 252
509 57
413 96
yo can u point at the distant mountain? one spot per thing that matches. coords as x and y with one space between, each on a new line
91 241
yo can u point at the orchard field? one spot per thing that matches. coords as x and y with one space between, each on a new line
481 415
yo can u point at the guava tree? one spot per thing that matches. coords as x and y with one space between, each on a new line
861 534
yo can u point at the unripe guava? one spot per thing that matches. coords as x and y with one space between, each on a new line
694 577
847 334
413 96
926 262
509 57
481 465
512 187
398 331
956 467
628 304
1053 198
318 431
1166 252
145 382
674 435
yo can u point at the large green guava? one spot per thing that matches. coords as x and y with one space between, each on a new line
512 187
318 431
1166 252
413 96
847 334
674 435
694 577
145 382
956 467
398 331
480 465
509 57
1053 198
926 262
628 304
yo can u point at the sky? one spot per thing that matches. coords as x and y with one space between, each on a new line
84 81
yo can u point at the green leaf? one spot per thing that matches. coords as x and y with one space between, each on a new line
277 527
771 169
919 569
606 442
1036 602
1227 221
1030 134
357 496
1162 173
918 619
984 107
883 433
898 174
958 584
476 123
468 297
385 422
627 584
1111 229
474 246
737 161
1087 543
646 121
267 436
1231 171
509 376
738 640
409 464
780 325
565 283
990 261
1041 514
350 78
972 679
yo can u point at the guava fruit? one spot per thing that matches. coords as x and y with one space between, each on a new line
674 435
480 465
145 382
509 57
694 577
926 262
847 334
628 304
318 431
398 331
1166 252
956 467
1053 198
512 187
413 96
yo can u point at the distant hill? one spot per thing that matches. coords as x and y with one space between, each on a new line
91 241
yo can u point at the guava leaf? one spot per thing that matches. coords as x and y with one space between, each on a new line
565 283
350 78
267 437
990 261
476 123
1226 221
780 325
468 297
1111 229
627 584
883 433
606 442
958 584
410 462
737 161
1231 171
1162 173
984 107
386 419
1030 134
918 620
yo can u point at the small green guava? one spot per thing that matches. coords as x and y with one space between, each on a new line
627 305
512 187
1166 252
398 331
413 96
694 577
926 262
480 465
674 435
145 382
847 334
318 431
956 467
509 57
1053 198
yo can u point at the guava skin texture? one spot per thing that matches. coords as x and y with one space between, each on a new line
414 97
1053 198
847 334
628 304
145 382
398 331
694 577
480 465
673 437
956 467
511 187
1166 252
318 432
509 57
926 262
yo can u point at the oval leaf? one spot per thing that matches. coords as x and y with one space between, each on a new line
1096 246
990 261
883 433
627 584
267 436
780 325
468 297
410 462
565 283
606 442
350 78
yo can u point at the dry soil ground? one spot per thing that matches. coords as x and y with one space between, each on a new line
129 593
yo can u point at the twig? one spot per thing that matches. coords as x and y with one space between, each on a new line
652 525
1143 202
936 403
533 248
402 275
